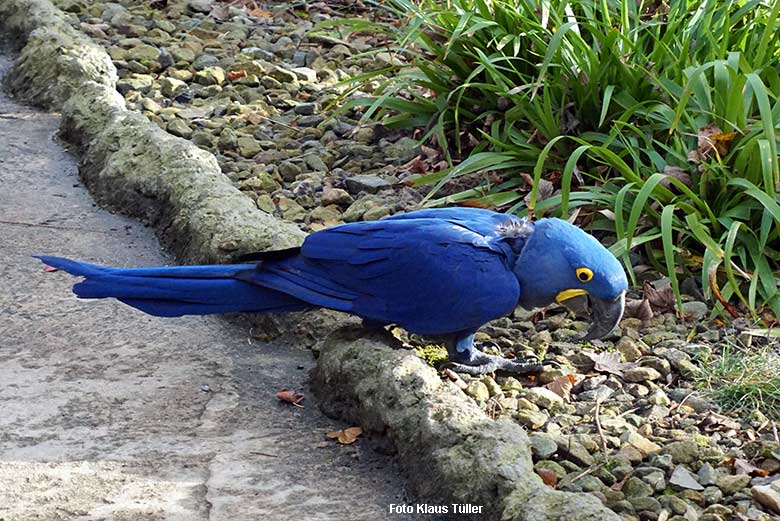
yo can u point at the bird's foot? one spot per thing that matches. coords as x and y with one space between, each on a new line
482 363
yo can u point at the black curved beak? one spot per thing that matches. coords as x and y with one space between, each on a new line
605 315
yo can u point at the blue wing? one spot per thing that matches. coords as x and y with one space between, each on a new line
424 271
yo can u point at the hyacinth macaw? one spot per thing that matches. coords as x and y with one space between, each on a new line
439 272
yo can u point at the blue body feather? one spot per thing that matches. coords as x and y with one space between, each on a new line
446 271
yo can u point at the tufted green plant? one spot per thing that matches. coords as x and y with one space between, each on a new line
604 99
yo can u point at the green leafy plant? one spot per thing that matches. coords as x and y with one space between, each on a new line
655 122
742 380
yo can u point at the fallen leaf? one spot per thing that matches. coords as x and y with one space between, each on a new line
50 269
661 299
677 173
346 436
608 362
640 309
711 141
619 484
548 477
235 75
255 119
290 396
546 188
562 386
717 422
260 13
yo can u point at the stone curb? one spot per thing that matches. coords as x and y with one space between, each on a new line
128 162
452 452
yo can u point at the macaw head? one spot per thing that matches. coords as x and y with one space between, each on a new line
559 261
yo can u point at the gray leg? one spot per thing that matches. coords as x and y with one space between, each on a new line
465 358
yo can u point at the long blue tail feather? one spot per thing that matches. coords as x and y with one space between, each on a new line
177 290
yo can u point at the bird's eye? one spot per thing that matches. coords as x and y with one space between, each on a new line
584 274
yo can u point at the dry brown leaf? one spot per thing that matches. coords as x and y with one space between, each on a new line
254 118
235 75
548 477
717 422
546 188
640 309
260 13
346 436
290 396
678 173
711 141
608 362
661 299
743 466
562 386
619 484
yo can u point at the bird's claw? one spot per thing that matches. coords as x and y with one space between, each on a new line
482 363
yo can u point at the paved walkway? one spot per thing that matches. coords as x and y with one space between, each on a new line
110 414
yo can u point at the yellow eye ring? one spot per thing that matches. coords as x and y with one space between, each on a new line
584 274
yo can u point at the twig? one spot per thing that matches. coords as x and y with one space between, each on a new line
682 401
599 429
257 453
585 473
55 227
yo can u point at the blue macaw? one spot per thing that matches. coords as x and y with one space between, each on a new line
440 272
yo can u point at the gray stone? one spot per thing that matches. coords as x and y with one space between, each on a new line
204 61
366 183
544 398
641 374
315 163
712 495
682 478
289 170
731 484
477 390
376 212
542 445
493 388
182 54
600 393
290 209
283 75
248 147
178 127
629 348
305 74
306 109
645 504
634 487
143 53
210 76
550 466
708 475
682 451
200 6
171 88
262 181
695 310
768 496
335 196
138 83
645 446
531 419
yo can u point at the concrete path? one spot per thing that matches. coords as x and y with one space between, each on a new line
109 414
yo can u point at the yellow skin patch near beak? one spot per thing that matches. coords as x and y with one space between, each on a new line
569 293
